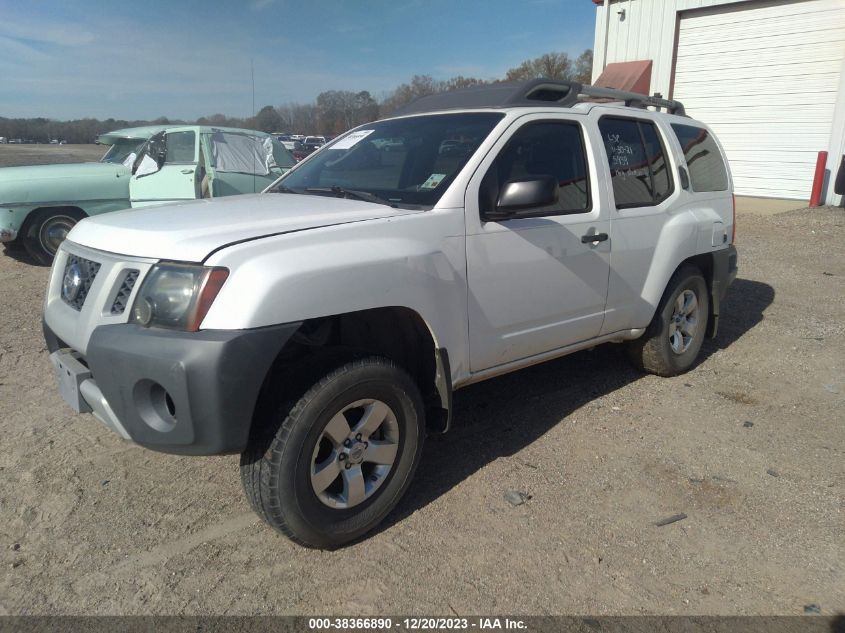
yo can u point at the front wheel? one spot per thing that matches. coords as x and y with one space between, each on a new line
671 343
341 457
46 230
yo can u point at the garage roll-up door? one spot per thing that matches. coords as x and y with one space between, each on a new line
765 77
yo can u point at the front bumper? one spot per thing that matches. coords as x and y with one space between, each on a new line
188 393
11 221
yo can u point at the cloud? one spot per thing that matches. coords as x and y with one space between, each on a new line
14 52
166 71
45 32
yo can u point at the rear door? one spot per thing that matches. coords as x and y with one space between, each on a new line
644 198
166 171
538 283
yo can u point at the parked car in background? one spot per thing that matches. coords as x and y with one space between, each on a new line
300 150
143 166
287 141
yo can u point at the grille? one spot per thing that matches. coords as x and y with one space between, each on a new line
74 291
121 300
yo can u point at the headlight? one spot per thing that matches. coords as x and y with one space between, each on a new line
177 296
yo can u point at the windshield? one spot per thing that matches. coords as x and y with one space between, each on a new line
402 161
119 152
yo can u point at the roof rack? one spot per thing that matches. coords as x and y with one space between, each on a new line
533 92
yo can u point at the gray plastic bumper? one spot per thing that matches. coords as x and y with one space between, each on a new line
189 393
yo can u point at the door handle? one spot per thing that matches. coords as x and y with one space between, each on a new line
594 237
187 171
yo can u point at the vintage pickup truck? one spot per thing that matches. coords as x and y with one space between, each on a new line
143 166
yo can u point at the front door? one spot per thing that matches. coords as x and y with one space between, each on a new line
166 171
536 283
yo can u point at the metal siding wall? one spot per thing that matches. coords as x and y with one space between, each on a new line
766 79
648 32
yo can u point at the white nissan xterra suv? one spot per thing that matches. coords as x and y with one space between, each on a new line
319 328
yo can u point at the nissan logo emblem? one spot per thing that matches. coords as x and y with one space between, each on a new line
72 283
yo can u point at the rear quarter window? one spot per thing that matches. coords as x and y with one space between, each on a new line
637 162
707 170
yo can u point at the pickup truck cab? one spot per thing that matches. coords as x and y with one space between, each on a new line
143 166
321 327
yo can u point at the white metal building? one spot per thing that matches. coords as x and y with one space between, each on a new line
766 75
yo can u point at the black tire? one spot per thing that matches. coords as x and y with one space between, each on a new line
14 246
276 469
653 352
44 230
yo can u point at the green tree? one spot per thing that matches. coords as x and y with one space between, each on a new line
268 120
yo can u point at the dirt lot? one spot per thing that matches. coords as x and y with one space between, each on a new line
11 155
749 445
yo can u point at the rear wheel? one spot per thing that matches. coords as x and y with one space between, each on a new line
46 229
341 457
671 343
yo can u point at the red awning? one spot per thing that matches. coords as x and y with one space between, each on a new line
630 76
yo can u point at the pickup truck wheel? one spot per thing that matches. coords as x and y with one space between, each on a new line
672 341
341 457
46 230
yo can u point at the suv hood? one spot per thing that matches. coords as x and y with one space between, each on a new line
191 231
24 184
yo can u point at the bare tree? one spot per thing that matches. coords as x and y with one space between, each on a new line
548 66
584 67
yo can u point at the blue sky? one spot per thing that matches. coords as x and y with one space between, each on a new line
66 59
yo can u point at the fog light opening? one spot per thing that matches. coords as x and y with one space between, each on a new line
171 406
155 406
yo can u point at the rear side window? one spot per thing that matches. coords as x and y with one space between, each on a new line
706 168
637 161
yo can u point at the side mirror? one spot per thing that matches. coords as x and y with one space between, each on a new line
524 195
160 158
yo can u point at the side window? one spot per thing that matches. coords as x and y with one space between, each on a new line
706 168
542 149
180 147
638 168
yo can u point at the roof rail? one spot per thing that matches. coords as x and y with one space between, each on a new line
533 92
633 99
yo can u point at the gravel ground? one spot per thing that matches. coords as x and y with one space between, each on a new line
749 446
12 155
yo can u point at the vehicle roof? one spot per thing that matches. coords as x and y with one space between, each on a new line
543 93
145 132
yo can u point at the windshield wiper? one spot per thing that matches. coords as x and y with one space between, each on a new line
366 196
283 189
